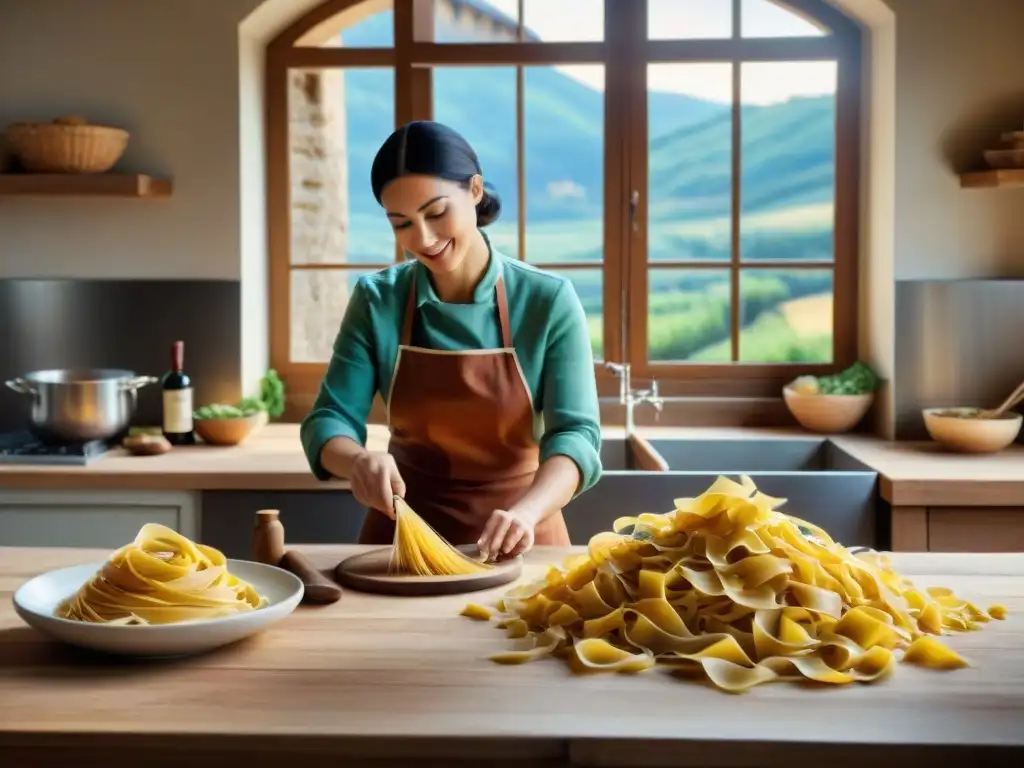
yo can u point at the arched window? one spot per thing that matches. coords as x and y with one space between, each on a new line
691 165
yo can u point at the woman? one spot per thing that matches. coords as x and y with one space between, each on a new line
483 361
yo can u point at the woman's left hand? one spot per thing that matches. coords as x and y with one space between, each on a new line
507 533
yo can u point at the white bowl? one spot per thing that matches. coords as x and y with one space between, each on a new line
36 600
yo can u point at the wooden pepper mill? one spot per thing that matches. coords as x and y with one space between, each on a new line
268 547
268 537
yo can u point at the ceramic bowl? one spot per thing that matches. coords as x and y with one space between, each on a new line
827 414
36 600
960 430
229 431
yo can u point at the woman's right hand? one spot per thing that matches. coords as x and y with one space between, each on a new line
376 481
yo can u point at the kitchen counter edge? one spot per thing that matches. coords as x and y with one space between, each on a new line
910 473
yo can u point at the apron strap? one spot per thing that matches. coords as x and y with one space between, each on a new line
410 311
506 326
502 301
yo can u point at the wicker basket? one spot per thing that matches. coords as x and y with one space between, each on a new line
67 145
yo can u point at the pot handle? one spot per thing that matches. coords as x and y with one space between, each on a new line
138 382
21 386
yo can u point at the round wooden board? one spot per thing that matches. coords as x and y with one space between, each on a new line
368 572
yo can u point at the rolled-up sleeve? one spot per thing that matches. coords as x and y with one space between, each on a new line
346 393
572 419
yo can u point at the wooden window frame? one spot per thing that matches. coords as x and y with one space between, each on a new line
625 264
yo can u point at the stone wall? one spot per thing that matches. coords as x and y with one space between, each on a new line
319 209
319 184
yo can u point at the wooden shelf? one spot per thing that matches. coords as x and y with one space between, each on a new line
84 185
997 177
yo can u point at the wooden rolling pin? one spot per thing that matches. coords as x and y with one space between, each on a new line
318 588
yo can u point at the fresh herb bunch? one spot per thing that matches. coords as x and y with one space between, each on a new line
224 411
858 379
270 399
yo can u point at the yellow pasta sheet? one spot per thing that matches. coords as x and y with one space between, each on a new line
728 587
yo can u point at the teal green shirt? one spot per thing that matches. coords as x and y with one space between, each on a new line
549 333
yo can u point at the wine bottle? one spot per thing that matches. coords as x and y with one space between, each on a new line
177 395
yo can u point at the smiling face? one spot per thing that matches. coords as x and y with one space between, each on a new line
434 219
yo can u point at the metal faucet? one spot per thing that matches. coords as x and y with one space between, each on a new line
629 397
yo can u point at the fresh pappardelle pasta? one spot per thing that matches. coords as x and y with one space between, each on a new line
728 587
161 578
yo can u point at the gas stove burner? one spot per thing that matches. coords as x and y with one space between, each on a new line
28 448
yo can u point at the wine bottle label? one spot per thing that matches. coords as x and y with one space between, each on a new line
178 410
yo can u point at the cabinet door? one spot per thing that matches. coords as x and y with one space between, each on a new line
105 519
976 529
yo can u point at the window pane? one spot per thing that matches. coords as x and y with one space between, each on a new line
589 285
363 25
764 18
480 103
318 301
568 21
689 19
689 316
689 108
496 21
337 119
564 162
476 21
786 316
788 161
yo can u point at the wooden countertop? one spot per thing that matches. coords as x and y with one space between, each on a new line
911 473
924 474
406 682
270 460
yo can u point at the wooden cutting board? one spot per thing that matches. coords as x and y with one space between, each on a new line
368 572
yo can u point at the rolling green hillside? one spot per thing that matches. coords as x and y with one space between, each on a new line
787 181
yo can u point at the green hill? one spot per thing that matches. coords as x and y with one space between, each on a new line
787 190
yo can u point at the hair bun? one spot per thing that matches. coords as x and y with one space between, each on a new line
489 207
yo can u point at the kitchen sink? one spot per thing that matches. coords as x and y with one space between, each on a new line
734 455
820 482
761 455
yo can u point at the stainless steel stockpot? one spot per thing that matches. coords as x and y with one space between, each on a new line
81 404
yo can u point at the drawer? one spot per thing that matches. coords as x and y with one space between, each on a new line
976 529
104 519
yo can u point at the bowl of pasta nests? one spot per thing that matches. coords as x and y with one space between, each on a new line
160 595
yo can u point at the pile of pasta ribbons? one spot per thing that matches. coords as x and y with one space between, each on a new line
418 550
161 578
727 586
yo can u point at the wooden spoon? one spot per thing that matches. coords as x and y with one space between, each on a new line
1014 398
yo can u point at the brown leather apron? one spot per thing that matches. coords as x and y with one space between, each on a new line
462 436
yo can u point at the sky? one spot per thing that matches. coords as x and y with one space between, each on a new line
762 83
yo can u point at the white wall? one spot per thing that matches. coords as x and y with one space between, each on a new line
167 70
960 83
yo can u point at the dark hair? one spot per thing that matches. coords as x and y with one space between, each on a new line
432 149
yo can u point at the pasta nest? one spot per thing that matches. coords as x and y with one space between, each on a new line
161 578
